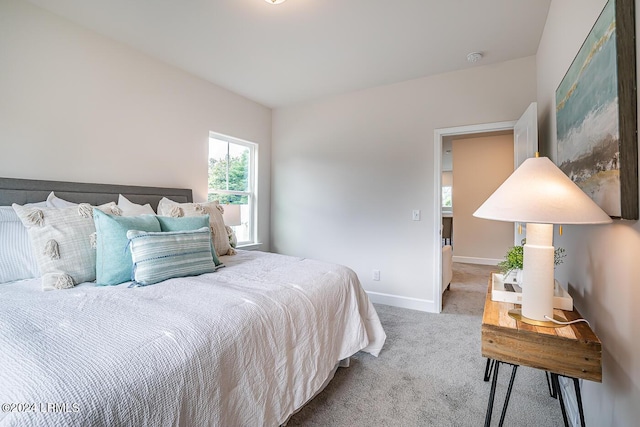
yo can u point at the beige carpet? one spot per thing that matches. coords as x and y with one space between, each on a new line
430 372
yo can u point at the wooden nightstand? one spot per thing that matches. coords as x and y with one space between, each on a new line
573 351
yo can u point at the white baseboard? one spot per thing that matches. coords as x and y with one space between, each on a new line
472 260
403 302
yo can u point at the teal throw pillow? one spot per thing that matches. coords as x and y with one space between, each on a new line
165 255
187 223
113 257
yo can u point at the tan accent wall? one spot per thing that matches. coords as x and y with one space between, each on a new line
480 165
447 178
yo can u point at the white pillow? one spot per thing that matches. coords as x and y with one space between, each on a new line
219 234
62 242
132 209
54 201
17 260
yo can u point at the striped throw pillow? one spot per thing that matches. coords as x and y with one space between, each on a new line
159 256
17 260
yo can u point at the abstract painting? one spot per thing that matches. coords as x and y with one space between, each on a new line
596 114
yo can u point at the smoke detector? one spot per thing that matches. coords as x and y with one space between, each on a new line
474 57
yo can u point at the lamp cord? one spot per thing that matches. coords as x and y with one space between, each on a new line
567 323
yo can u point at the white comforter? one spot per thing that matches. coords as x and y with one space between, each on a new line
245 346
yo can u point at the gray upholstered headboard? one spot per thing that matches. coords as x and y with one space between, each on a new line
23 191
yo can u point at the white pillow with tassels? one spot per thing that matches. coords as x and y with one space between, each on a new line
63 242
219 236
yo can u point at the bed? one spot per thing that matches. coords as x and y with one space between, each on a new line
247 345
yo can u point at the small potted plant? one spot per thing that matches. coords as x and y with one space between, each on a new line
511 266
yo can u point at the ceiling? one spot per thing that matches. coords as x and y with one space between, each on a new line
301 50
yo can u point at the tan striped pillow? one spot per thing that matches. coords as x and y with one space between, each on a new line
219 234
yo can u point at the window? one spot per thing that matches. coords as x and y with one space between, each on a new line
447 191
446 198
232 172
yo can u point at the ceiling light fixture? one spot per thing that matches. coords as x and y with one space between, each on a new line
474 57
274 1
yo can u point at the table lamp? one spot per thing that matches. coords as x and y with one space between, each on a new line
540 195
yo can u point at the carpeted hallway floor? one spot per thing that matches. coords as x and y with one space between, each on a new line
430 372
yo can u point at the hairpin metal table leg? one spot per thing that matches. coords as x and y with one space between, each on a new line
492 394
488 369
556 382
552 387
508 396
576 386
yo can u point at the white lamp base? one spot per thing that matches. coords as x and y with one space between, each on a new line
537 280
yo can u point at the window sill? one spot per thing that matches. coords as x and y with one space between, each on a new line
249 246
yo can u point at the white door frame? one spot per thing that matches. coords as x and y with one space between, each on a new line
438 136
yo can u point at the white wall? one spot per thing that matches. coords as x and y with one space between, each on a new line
602 266
347 172
76 106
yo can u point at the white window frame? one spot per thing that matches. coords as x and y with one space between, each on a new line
252 183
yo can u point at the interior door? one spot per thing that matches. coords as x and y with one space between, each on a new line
525 145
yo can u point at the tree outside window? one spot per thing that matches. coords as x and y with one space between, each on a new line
446 197
231 174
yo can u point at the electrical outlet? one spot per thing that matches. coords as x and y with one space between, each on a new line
416 215
376 274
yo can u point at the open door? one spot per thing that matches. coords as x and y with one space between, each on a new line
525 145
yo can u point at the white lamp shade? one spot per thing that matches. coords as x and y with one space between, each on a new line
539 192
231 215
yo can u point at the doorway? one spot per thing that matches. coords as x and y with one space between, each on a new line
525 141
440 135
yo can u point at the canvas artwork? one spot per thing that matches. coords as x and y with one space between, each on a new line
587 117
588 109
